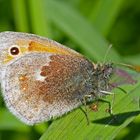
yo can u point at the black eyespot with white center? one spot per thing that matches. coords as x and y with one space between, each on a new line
14 50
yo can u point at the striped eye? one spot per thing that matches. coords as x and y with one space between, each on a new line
14 50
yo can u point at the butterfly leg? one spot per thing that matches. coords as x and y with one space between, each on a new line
85 111
110 104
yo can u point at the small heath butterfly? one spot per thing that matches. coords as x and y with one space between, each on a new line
42 79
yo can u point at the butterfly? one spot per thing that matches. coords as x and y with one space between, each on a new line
42 79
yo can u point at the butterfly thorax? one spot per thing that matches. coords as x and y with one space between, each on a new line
101 77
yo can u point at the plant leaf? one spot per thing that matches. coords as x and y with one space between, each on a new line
102 126
39 24
104 14
77 28
9 122
20 15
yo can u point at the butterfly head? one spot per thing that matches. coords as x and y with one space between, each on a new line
102 75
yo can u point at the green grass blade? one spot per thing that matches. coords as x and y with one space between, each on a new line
38 19
78 29
9 122
20 15
74 126
105 14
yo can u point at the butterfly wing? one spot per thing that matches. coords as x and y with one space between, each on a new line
39 86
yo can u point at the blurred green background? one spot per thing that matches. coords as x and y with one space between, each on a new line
88 26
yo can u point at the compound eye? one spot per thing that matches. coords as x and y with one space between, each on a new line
14 50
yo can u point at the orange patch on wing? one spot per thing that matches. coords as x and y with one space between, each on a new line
23 44
23 82
22 78
35 46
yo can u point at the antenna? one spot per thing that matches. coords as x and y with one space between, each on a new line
133 67
107 52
